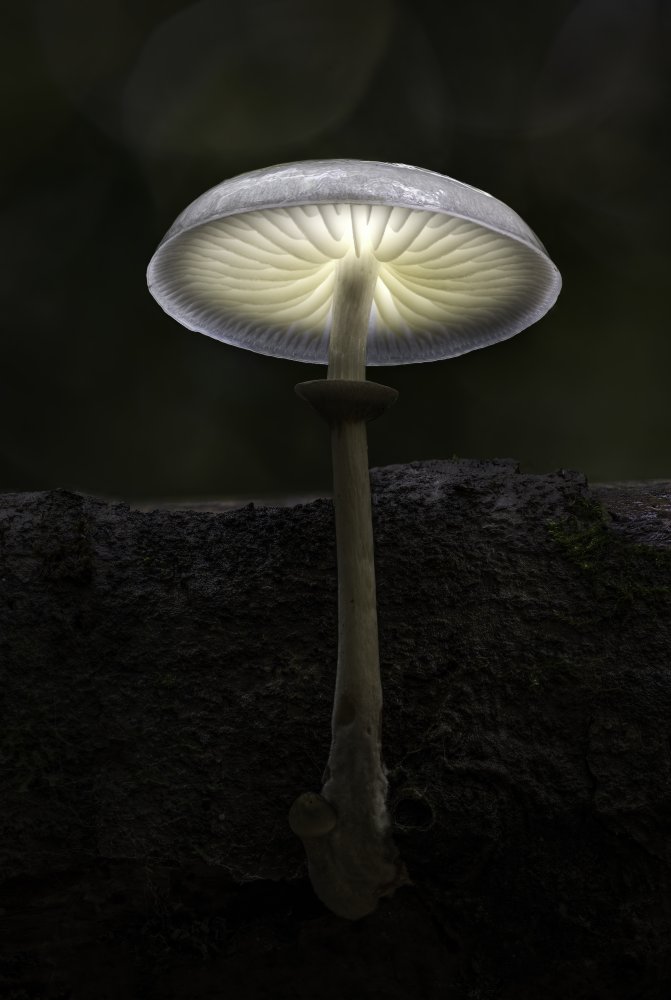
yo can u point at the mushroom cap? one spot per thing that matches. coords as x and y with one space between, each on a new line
253 261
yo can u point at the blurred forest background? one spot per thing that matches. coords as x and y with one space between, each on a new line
118 113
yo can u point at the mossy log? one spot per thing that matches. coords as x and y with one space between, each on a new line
166 682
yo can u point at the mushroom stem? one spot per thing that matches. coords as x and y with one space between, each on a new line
346 831
355 861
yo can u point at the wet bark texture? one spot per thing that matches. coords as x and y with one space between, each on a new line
166 681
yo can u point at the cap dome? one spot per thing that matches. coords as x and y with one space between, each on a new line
252 262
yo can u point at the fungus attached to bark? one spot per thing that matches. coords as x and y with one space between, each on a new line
352 263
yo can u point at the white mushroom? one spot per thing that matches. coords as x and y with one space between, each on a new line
352 263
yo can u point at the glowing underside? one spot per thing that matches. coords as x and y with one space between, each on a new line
265 280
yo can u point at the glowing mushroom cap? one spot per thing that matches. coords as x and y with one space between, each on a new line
253 262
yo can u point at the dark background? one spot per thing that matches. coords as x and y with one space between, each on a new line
117 113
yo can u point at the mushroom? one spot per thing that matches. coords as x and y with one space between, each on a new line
352 263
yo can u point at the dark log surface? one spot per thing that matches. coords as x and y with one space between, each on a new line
166 680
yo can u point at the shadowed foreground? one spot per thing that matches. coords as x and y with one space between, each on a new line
166 682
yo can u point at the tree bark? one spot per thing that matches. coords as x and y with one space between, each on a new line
167 680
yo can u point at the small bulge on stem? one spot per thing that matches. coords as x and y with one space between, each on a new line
311 816
356 277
